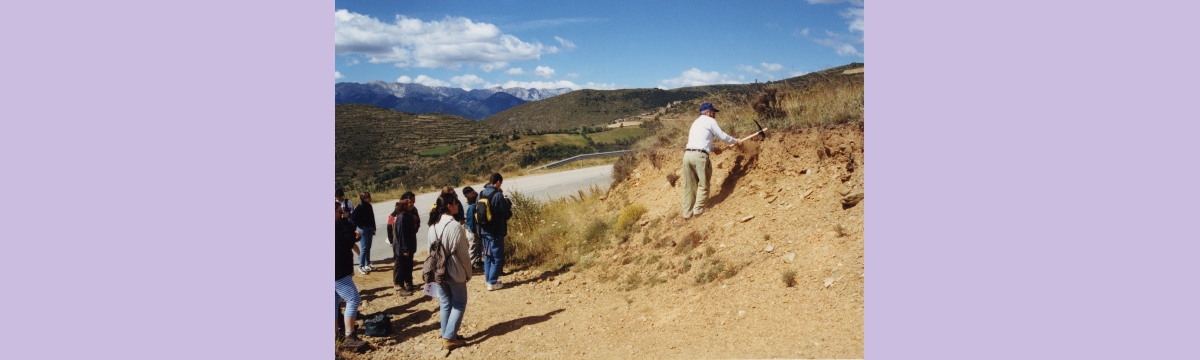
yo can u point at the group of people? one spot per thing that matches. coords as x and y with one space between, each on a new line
473 238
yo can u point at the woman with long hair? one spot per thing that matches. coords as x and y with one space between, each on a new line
453 294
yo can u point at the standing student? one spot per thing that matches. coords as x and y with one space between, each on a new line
453 294
391 225
697 168
473 237
460 217
405 246
364 218
343 202
496 213
344 288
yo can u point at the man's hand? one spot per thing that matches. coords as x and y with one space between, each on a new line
357 235
405 254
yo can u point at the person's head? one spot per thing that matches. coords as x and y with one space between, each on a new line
337 211
470 194
707 109
339 194
495 179
365 197
412 200
399 207
447 204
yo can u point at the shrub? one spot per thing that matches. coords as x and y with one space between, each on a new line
624 167
789 277
594 234
687 243
629 217
716 270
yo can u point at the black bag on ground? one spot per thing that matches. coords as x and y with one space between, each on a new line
380 325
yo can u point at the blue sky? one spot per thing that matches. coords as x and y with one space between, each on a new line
593 44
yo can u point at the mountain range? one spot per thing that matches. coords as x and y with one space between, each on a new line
420 99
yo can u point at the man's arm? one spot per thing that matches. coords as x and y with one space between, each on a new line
716 130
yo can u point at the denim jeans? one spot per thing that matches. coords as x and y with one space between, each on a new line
364 245
454 302
493 260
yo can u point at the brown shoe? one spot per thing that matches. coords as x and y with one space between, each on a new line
353 343
450 344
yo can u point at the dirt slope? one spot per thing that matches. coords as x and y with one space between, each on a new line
657 295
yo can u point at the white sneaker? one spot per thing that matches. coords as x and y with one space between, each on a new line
490 288
498 285
361 270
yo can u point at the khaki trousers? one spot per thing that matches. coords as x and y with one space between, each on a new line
697 170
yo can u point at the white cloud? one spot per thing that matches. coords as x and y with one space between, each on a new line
337 75
767 71
488 67
515 71
544 71
423 80
856 18
450 42
543 84
565 43
352 62
404 79
550 23
571 76
599 86
852 2
840 43
466 81
695 77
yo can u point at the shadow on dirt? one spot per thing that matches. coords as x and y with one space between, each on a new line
545 276
741 166
415 299
509 326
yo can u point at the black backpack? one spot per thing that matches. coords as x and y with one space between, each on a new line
434 270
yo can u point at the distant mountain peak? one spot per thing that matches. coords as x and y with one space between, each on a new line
420 99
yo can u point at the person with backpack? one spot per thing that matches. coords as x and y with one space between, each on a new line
491 216
403 249
346 245
460 217
364 218
448 267
473 230
343 202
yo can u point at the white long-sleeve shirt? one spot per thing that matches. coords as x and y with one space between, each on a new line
454 239
704 129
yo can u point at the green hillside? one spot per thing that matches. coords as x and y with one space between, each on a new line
383 147
587 108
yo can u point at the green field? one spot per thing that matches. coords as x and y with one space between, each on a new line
547 140
612 136
436 151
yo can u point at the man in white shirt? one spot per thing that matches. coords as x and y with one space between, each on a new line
697 169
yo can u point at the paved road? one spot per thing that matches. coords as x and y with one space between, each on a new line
543 187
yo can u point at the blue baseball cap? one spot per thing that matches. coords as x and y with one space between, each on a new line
707 106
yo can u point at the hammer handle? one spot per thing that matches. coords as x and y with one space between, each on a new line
756 133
